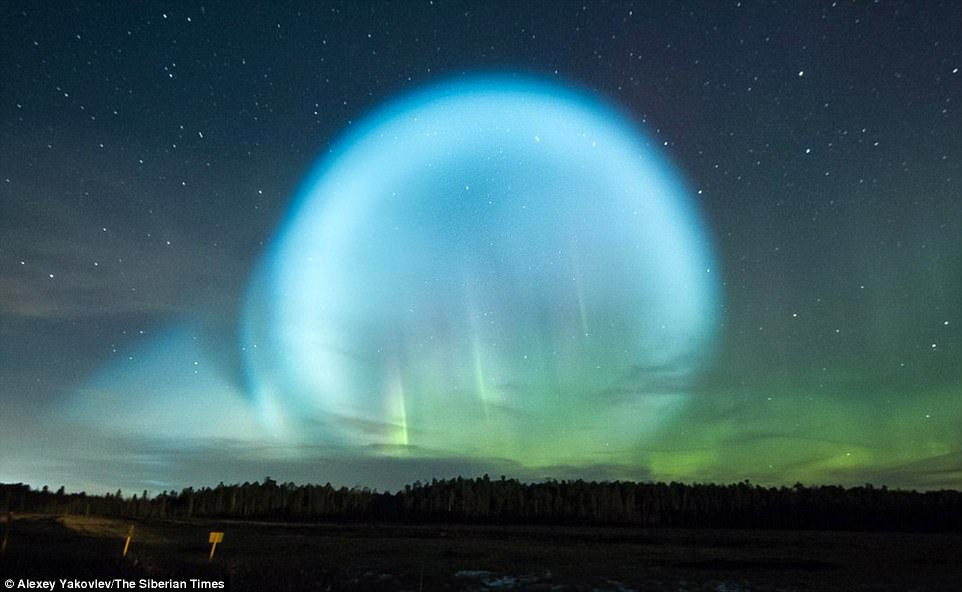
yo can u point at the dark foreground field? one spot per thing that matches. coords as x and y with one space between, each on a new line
259 556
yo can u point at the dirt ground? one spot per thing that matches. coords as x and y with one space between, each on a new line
271 556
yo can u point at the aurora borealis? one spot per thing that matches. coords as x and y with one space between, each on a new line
371 244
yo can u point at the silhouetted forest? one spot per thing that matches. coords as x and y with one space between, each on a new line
508 501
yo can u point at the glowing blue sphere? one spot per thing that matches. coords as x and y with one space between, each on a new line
499 267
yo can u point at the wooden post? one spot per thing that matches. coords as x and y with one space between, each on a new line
130 535
6 533
213 539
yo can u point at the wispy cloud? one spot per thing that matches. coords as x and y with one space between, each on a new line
66 268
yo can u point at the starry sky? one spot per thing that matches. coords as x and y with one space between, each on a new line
376 242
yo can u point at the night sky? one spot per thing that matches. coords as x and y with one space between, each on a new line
374 243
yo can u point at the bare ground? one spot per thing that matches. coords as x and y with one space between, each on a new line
273 556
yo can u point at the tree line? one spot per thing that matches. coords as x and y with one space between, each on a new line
509 501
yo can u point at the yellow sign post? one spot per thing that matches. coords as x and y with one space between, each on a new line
130 535
215 537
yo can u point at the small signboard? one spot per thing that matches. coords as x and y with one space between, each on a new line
215 537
